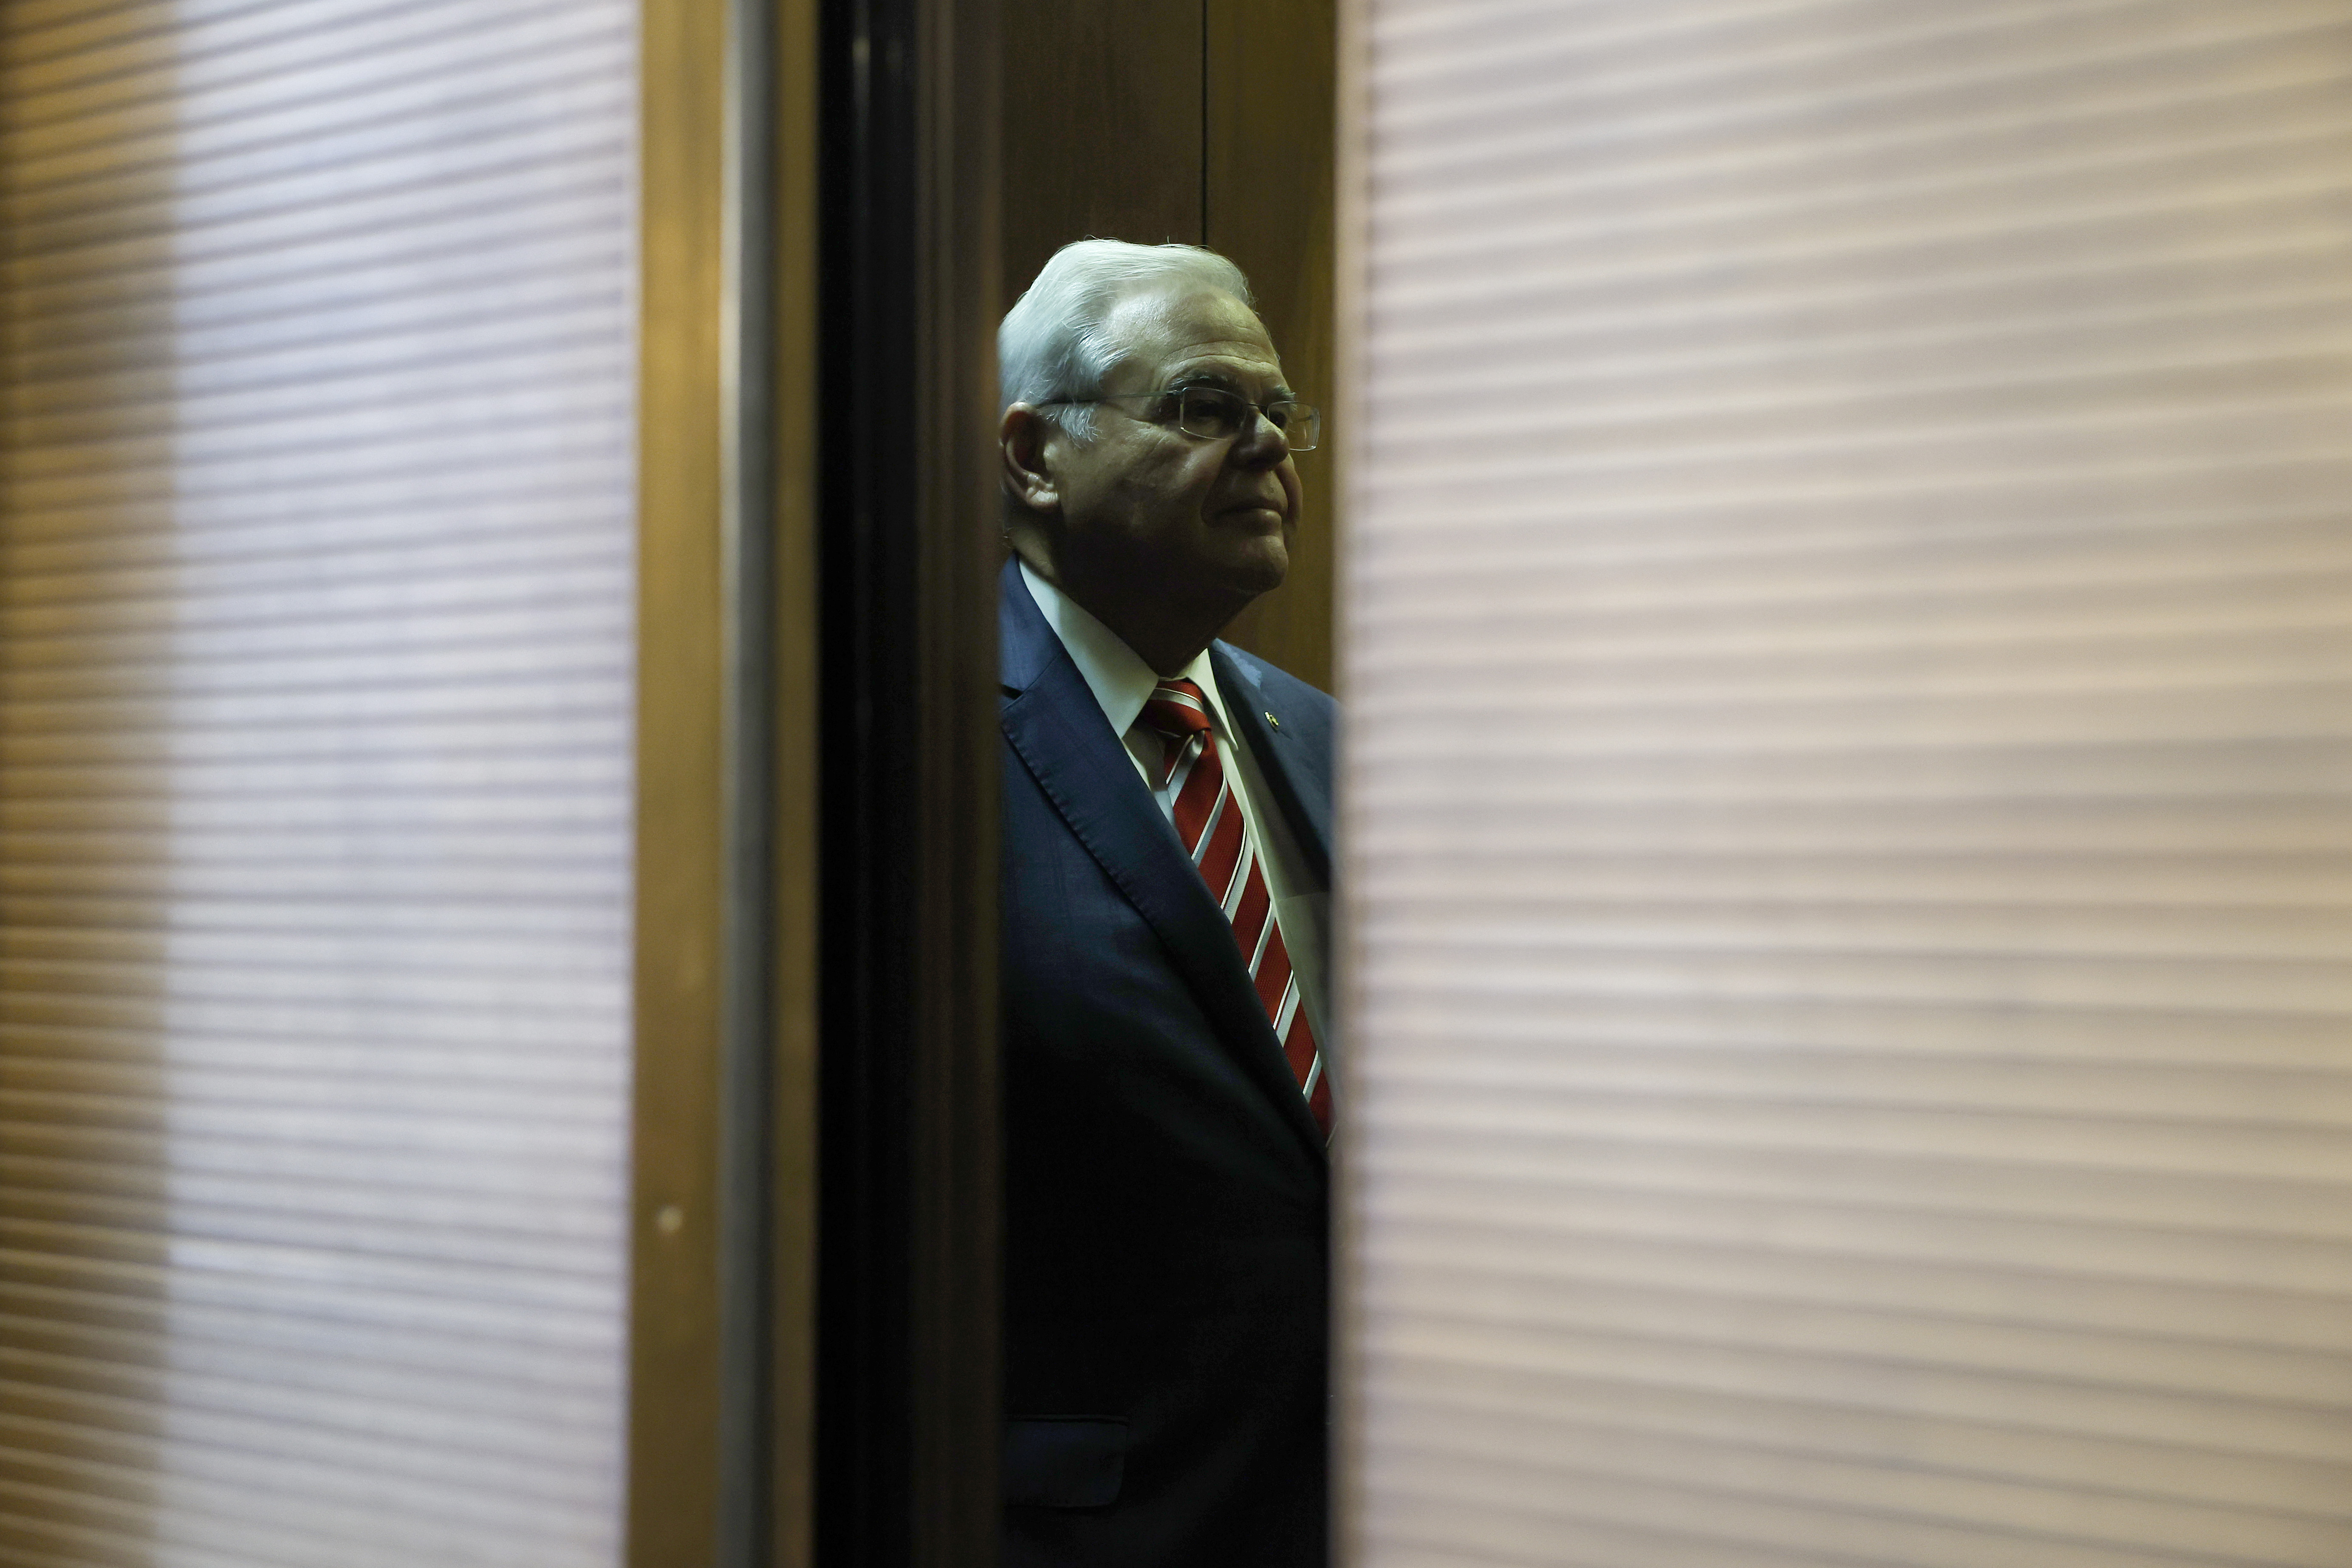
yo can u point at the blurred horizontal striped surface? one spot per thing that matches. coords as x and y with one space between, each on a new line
1850 785
316 534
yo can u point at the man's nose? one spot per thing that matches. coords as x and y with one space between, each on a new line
1261 444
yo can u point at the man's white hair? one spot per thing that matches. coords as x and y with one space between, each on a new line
1054 345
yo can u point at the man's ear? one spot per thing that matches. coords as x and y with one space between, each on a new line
1028 477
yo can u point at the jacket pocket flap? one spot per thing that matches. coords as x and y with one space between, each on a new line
1063 1461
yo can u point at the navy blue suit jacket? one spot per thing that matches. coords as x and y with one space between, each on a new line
1167 1193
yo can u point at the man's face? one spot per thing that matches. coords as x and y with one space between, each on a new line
1145 505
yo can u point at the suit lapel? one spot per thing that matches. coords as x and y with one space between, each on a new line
1056 726
1294 761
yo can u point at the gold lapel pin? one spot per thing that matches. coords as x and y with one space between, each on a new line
1273 720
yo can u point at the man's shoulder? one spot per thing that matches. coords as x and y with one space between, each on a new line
1276 683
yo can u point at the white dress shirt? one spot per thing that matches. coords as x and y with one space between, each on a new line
1122 683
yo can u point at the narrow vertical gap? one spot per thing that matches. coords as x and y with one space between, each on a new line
908 1402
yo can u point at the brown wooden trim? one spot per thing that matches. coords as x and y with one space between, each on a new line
673 1297
682 933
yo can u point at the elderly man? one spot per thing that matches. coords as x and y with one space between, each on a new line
1167 865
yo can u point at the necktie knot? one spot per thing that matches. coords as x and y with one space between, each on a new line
1177 709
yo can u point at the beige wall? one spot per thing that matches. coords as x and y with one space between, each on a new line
1849 787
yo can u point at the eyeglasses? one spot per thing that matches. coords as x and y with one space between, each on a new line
1213 414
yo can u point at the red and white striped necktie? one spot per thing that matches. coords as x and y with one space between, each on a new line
1209 820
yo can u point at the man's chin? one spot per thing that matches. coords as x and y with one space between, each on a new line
1258 571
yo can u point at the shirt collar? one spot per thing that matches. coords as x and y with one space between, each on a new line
1114 672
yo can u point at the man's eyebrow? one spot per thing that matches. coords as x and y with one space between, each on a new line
1209 377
